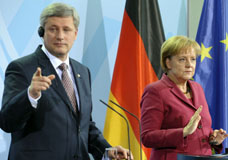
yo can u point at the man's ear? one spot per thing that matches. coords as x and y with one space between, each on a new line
76 33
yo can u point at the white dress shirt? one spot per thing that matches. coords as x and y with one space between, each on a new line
56 62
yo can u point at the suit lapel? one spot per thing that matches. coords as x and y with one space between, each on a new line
48 69
176 91
78 82
195 95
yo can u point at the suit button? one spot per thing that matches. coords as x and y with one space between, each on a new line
199 126
203 140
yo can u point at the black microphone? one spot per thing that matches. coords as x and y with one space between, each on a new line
128 132
140 128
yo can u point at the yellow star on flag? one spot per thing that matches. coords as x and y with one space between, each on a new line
225 41
205 52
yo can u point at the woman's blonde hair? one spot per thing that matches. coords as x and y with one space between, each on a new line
174 46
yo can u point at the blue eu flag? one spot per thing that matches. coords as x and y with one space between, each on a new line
212 65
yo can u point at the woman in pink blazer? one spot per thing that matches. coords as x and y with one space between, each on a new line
174 113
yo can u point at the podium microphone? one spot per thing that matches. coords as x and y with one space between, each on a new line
140 128
128 132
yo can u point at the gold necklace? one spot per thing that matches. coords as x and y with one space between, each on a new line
188 90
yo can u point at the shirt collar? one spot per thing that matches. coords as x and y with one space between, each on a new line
54 60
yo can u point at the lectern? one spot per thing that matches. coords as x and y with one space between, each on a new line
188 157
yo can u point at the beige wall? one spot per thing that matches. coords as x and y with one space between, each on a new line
194 12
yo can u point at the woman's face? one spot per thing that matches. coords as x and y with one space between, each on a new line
182 66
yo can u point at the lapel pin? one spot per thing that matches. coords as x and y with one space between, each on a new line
78 75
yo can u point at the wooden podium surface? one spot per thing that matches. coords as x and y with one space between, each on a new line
188 157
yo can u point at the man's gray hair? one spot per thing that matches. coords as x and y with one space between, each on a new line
59 10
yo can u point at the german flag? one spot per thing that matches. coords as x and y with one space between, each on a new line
137 64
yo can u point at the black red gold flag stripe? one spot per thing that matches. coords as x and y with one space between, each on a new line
137 64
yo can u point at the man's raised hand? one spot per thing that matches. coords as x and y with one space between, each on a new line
39 83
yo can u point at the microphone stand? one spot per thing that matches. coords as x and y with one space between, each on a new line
128 132
140 128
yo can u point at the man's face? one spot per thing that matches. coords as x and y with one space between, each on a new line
59 36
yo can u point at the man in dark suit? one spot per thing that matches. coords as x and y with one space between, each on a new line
46 121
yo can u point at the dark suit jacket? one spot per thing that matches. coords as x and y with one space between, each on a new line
52 131
165 112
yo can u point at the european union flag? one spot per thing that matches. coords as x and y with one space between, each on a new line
212 66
